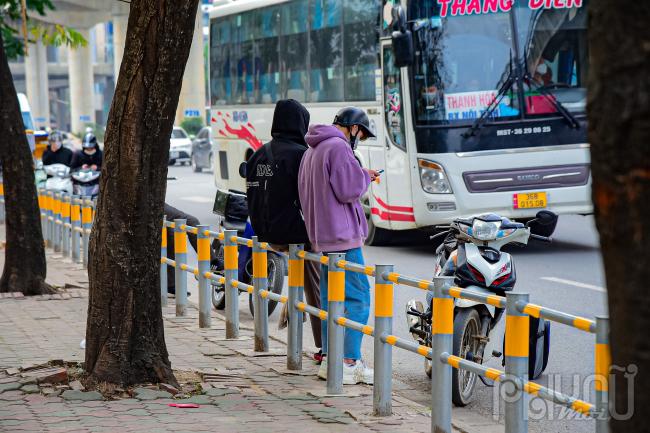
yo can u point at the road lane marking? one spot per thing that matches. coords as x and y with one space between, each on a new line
575 283
197 199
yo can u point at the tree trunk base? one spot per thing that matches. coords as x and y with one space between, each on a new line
109 369
35 286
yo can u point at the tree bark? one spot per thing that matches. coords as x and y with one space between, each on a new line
25 267
619 133
124 336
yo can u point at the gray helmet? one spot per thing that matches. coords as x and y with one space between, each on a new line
350 116
56 137
89 141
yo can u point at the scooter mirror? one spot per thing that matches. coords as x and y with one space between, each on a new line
546 217
242 169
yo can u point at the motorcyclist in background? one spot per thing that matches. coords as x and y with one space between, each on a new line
56 153
90 156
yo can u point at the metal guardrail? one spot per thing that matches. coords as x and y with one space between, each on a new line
67 221
517 311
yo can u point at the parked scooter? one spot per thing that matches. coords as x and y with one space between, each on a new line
232 207
471 253
85 182
58 178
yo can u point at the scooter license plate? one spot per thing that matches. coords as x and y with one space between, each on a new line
529 200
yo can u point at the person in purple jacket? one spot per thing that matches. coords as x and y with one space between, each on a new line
331 182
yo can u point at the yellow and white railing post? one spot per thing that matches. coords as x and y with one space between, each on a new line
66 227
163 264
442 334
296 294
180 257
2 203
205 297
230 272
260 301
57 222
516 357
383 352
86 225
335 332
43 213
603 361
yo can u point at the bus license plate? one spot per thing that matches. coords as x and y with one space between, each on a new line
529 200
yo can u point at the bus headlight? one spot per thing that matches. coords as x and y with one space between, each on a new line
433 177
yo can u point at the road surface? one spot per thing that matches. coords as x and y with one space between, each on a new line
566 275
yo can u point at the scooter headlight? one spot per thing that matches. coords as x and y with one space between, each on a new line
485 230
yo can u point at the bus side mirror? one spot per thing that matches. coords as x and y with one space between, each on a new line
402 39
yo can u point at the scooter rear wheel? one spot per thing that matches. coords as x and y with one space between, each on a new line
275 266
428 367
216 266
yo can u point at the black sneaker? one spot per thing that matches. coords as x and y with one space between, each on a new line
172 291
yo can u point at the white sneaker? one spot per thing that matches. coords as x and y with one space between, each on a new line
358 372
322 370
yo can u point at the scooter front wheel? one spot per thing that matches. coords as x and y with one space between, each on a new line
467 330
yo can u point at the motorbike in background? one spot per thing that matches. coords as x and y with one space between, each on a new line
58 178
40 177
85 183
232 207
471 254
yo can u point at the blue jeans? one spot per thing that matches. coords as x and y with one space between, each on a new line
357 304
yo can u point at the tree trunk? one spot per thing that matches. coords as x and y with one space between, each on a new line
25 266
125 340
619 133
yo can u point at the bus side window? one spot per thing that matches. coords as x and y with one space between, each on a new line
393 102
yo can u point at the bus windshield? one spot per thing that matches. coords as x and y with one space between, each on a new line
462 61
27 120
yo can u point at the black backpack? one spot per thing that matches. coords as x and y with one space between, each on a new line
539 344
273 203
539 347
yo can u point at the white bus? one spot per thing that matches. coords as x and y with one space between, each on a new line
464 129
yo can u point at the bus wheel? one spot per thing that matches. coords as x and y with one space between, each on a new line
377 236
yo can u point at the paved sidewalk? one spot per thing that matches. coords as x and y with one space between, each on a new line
242 393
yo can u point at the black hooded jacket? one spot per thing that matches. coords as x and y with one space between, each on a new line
80 158
62 156
272 178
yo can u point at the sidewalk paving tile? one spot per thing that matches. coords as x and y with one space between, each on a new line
242 393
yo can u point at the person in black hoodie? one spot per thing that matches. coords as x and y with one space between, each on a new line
90 156
272 192
55 152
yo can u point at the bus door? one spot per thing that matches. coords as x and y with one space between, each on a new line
391 197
